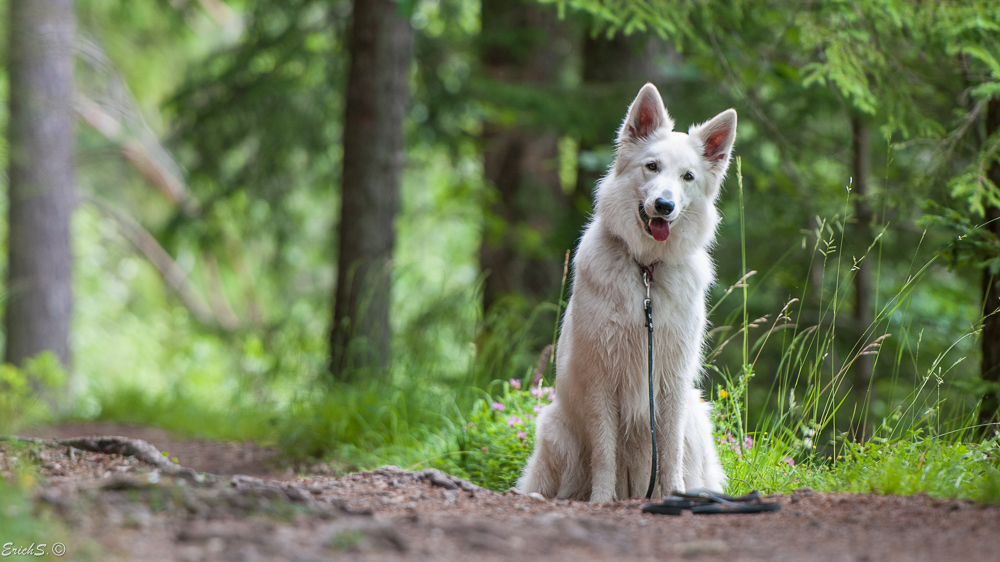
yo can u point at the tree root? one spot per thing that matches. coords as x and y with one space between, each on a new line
108 445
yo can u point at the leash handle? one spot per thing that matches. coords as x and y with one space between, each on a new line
648 308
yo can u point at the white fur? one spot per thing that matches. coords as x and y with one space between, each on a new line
593 441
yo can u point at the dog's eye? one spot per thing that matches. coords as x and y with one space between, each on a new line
651 167
688 176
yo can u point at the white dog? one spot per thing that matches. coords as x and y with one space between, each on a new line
655 208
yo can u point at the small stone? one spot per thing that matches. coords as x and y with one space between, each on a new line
443 481
549 518
215 545
297 494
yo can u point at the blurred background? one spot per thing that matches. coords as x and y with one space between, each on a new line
340 228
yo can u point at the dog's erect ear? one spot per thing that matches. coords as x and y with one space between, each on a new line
645 116
717 136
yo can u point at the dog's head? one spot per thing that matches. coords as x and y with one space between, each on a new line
660 192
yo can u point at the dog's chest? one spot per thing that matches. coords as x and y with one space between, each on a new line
613 319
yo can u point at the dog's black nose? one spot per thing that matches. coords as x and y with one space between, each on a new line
663 206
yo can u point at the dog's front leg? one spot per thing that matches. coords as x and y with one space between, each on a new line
671 417
604 450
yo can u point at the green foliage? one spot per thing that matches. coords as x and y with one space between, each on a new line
363 425
25 391
23 527
490 443
186 412
22 521
972 244
357 427
973 186
511 335
347 540
946 467
989 490
939 467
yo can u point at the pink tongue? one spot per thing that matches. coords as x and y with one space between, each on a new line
660 228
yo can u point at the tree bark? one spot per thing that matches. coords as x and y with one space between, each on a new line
42 198
381 45
990 340
863 305
527 206
614 69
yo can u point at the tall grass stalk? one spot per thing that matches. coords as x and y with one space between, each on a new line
794 444
559 309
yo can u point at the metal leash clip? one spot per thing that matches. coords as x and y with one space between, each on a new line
647 304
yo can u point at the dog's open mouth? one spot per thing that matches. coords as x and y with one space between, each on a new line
657 227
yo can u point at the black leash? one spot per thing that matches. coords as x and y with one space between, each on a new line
647 274
707 502
697 501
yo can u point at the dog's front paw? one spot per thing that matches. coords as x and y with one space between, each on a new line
672 484
602 496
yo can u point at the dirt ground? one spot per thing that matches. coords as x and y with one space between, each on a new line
126 509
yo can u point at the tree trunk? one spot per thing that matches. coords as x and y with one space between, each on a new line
613 69
381 45
527 207
990 341
42 198
863 305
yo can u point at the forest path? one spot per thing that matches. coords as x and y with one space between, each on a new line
128 510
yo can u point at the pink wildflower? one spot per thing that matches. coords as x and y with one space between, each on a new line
537 408
522 435
529 417
748 442
789 461
513 420
515 384
498 406
536 392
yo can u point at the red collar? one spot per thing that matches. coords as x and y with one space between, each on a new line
647 269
